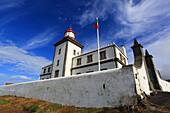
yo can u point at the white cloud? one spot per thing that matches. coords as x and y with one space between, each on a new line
21 77
7 4
160 52
40 40
99 8
21 60
148 20
2 75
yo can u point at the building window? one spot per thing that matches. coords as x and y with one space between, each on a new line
56 73
121 57
59 52
77 53
124 60
44 70
89 59
102 55
79 61
58 61
78 73
74 52
49 69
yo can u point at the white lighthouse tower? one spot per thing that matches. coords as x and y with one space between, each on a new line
65 50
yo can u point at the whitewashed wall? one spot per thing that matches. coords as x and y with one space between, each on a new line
165 85
141 80
108 88
118 52
70 55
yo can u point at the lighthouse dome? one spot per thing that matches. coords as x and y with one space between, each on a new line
70 33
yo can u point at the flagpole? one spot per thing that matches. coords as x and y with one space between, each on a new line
98 46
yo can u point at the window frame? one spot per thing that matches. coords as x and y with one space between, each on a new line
49 68
78 61
74 52
44 71
58 62
104 56
90 57
59 52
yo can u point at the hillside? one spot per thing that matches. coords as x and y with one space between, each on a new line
159 103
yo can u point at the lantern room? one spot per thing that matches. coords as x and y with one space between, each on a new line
70 33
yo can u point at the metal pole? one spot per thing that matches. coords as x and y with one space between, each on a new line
98 47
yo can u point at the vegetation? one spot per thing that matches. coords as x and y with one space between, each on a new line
3 102
33 108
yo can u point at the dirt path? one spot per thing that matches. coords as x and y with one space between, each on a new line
161 98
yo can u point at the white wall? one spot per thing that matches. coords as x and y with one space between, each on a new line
108 88
118 52
70 55
165 85
141 80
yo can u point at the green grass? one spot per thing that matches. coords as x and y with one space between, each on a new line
55 107
88 110
33 108
3 102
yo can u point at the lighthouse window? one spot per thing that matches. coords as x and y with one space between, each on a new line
74 52
79 61
59 52
58 61
89 59
102 55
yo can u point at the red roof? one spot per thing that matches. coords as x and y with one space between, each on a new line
70 30
8 83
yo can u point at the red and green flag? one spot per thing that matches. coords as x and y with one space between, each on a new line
96 25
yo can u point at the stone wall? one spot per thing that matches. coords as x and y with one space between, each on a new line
108 88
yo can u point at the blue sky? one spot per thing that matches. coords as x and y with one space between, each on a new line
29 28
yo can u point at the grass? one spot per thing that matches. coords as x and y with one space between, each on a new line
55 107
3 102
88 110
33 108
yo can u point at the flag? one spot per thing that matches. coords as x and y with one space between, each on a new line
96 25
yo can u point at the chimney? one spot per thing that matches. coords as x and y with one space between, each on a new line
123 49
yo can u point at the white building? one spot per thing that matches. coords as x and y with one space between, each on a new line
68 59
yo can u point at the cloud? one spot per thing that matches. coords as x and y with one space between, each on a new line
99 8
40 40
7 78
146 20
20 60
2 75
159 50
21 77
8 4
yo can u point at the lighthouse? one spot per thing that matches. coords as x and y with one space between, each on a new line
65 50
